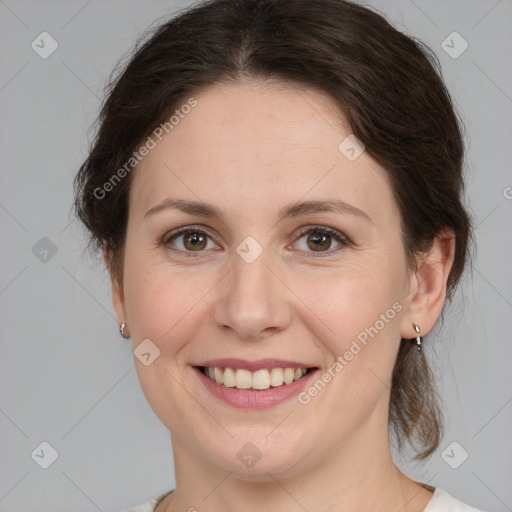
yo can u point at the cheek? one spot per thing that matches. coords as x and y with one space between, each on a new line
359 310
165 302
157 302
351 298
359 315
165 306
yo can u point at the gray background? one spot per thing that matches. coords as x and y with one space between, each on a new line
68 378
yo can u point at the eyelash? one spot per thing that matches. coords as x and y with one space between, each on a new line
337 235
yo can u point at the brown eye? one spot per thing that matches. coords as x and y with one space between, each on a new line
188 240
320 240
194 241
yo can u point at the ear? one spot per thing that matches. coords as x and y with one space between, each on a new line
427 291
117 288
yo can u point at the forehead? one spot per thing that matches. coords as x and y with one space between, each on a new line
266 142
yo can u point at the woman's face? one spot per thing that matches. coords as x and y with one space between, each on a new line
256 286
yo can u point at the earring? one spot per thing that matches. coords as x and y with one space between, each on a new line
418 337
121 330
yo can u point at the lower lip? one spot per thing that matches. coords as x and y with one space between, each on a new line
254 399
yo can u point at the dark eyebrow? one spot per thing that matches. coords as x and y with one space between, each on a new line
191 207
289 211
333 205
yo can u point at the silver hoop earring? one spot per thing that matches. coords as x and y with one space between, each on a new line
121 330
418 337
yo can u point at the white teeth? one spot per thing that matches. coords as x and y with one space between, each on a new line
288 375
276 377
243 379
229 378
259 379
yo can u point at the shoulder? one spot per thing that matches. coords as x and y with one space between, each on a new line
150 505
443 502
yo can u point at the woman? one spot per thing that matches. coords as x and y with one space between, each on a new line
277 190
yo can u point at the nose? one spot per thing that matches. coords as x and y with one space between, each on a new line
252 301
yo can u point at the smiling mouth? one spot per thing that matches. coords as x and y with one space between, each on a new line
243 379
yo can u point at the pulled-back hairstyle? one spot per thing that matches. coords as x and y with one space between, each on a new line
388 85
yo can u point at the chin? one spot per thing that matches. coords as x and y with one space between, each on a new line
259 456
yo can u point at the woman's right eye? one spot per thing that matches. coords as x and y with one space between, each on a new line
189 240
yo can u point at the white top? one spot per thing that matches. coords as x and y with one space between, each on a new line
441 501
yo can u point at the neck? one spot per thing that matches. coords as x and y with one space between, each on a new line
356 476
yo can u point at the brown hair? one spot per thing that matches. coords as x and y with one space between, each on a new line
388 85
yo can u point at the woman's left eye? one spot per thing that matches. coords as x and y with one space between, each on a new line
319 240
190 240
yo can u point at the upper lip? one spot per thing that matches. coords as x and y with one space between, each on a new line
260 364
